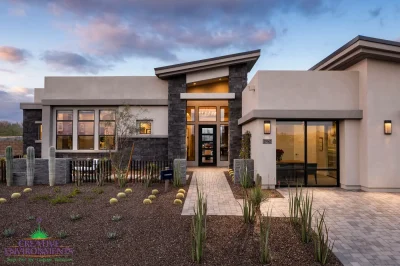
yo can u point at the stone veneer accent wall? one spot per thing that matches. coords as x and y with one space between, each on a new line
30 130
237 83
176 118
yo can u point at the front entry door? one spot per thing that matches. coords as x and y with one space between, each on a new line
207 145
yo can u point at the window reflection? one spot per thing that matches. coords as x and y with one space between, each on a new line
190 142
207 114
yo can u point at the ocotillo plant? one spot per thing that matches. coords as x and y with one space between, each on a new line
30 165
52 166
9 165
199 226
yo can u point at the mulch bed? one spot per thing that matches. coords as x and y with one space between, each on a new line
153 234
237 189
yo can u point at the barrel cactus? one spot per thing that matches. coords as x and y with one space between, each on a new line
180 196
2 200
181 191
154 191
113 201
177 202
26 190
152 197
30 165
147 201
9 165
128 190
15 195
121 195
52 166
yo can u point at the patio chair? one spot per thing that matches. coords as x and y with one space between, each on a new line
311 170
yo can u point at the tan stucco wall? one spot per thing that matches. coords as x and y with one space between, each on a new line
38 95
302 90
135 87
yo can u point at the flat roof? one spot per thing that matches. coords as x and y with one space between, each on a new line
357 43
249 58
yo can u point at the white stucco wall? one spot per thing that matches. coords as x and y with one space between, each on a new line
349 154
264 155
134 87
38 95
302 90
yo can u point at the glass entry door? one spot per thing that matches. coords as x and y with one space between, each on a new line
207 145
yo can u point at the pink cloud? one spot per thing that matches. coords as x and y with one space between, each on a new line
13 54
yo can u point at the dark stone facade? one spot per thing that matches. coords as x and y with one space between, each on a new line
63 172
31 130
237 83
176 118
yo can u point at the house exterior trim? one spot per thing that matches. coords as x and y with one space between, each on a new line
208 96
106 102
30 106
301 114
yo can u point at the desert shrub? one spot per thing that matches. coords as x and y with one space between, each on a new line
116 218
198 228
60 199
322 244
57 189
42 197
30 217
248 211
257 196
112 235
74 192
75 217
306 218
62 234
245 176
98 190
8 232
265 228
294 205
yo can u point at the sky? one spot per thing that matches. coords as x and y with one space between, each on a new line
40 38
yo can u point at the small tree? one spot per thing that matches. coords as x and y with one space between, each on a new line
245 150
121 151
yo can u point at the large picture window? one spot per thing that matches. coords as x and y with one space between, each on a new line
85 130
64 121
307 153
107 130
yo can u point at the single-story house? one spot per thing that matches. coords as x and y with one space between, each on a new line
336 124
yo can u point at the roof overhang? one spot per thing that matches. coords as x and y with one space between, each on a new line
249 58
30 106
301 114
359 49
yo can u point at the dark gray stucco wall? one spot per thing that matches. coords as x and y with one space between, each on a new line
30 130
176 118
237 83
63 172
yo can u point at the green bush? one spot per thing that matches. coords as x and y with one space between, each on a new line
62 234
74 192
60 199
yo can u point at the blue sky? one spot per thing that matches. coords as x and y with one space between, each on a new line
131 37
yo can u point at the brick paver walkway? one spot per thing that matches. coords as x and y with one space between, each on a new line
212 182
364 225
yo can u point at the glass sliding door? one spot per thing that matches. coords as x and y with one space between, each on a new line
290 154
322 153
307 153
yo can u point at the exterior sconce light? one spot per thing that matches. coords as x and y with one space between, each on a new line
267 127
387 127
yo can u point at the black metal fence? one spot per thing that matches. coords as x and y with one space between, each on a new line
143 171
2 171
91 170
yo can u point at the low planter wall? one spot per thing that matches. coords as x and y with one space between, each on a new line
239 165
63 172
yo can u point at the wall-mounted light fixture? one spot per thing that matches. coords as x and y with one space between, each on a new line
267 127
387 127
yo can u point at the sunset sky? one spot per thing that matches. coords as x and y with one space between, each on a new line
131 37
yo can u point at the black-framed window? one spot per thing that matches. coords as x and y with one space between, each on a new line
224 136
144 127
85 129
307 153
190 114
224 114
64 129
207 113
107 129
